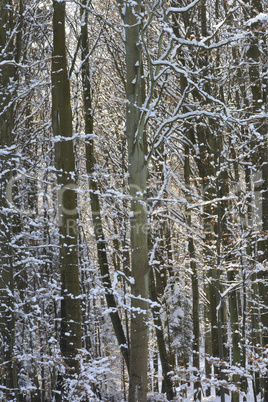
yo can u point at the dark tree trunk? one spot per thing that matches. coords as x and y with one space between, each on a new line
70 338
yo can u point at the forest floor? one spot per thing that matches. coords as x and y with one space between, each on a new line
250 398
155 397
213 398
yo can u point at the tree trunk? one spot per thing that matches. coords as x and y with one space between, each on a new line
194 277
70 340
137 169
8 55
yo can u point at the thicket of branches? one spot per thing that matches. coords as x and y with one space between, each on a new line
133 200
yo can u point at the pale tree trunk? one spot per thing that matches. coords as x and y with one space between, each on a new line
94 198
137 169
70 341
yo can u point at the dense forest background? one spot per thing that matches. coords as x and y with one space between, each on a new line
133 200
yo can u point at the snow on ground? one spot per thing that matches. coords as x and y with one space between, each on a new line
227 399
214 398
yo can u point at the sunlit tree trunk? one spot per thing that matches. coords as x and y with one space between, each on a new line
70 339
137 169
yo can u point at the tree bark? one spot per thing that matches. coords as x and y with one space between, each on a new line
137 169
194 278
9 54
70 338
